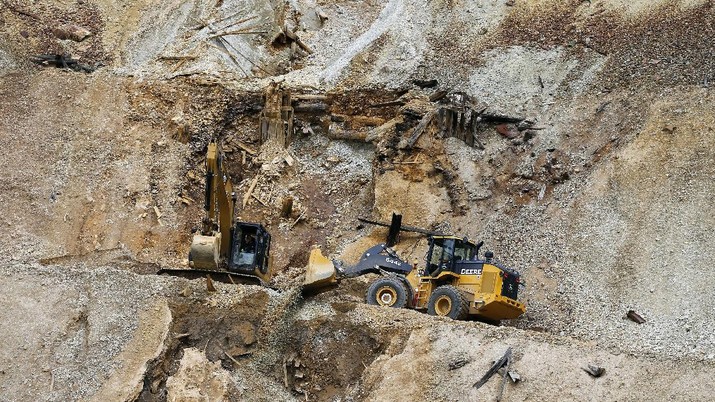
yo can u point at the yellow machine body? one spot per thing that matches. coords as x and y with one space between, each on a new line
454 282
482 292
228 250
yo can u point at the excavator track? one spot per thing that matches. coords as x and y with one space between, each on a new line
218 276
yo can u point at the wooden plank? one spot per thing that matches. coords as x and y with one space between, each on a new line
495 117
390 103
437 96
493 370
311 97
247 196
447 123
455 123
503 379
246 148
237 32
426 119
463 127
469 130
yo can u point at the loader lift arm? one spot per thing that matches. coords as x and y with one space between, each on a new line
321 272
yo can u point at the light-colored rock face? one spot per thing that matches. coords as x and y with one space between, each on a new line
169 30
127 380
646 220
32 323
521 80
420 201
198 379
78 334
97 190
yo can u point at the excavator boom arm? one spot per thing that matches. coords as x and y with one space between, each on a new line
220 201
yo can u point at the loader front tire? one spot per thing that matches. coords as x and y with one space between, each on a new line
448 301
388 292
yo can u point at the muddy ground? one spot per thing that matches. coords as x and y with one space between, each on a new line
592 177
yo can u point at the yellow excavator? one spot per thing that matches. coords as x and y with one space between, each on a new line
227 250
454 283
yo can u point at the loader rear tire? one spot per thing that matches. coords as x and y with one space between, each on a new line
388 292
448 301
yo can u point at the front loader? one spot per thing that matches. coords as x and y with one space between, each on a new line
454 283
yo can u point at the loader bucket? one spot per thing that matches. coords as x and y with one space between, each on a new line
320 271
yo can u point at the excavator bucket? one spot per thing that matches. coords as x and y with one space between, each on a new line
320 271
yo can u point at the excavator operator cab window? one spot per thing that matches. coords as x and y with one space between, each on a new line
244 254
251 248
248 245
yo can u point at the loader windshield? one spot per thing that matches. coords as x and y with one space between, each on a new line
441 256
464 251
446 251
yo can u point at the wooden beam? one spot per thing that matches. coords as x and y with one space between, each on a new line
247 196
394 231
493 370
426 119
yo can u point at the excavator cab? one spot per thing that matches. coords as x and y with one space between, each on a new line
251 245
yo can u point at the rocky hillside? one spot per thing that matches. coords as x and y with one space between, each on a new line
587 166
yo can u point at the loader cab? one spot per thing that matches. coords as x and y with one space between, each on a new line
446 252
250 248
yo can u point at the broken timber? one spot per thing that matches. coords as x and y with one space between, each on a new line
248 194
18 10
493 370
594 370
61 61
635 317
457 117
294 37
426 119
276 121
